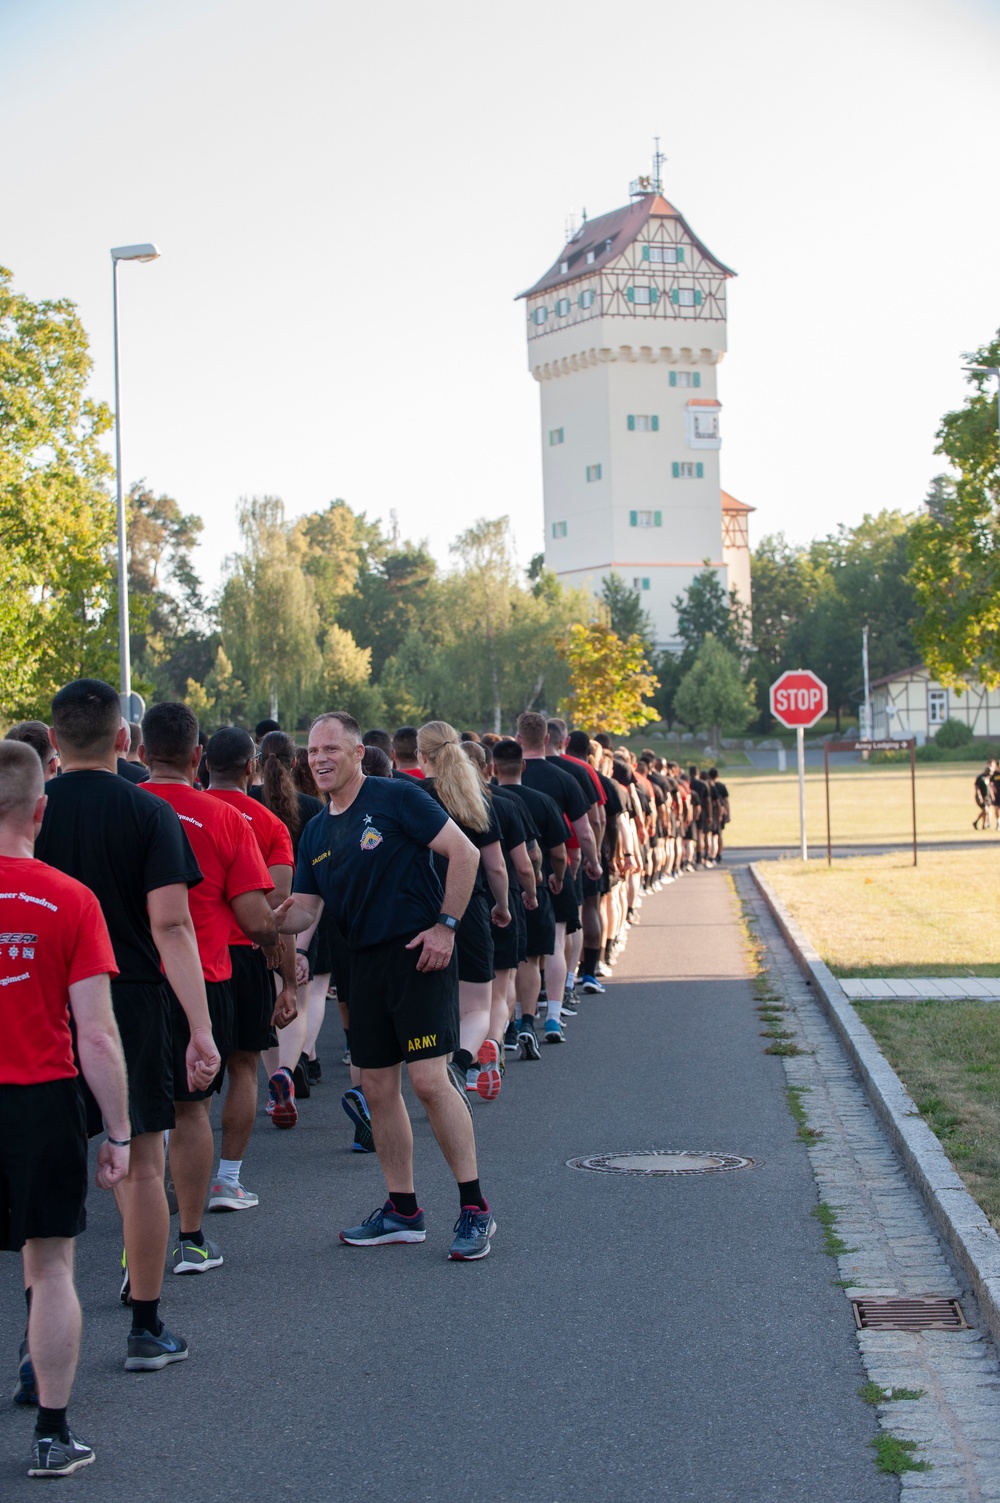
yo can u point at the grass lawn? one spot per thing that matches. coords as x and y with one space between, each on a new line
948 1056
880 916
868 805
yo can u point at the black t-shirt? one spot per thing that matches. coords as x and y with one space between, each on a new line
371 866
133 771
699 792
480 839
122 843
510 817
720 793
548 818
309 807
548 777
580 776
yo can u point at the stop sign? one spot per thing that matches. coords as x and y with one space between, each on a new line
798 698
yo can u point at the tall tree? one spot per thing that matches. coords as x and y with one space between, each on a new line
955 545
57 527
489 573
628 619
706 608
712 693
610 680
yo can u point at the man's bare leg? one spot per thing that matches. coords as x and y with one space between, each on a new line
192 1152
240 1105
391 1126
449 1119
55 1322
142 1203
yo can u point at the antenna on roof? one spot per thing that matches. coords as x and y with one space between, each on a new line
570 226
658 160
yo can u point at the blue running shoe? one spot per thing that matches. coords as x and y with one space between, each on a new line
26 1391
554 1033
51 1456
356 1107
591 987
147 1353
473 1231
386 1225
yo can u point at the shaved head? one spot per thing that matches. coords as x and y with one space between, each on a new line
22 782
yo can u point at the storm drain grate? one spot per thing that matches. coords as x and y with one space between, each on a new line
926 1313
662 1161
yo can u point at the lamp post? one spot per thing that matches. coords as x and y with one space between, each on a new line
123 253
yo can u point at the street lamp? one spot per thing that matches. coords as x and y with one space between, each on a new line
988 370
123 253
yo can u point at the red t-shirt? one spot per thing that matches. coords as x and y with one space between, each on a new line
230 863
270 833
602 797
52 934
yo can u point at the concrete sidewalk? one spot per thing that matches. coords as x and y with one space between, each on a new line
629 1337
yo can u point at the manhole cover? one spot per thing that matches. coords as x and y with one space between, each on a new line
662 1161
927 1313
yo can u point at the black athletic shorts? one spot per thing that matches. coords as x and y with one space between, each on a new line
540 926
253 999
474 941
508 944
565 905
590 887
329 955
222 1012
43 1162
397 1012
143 1016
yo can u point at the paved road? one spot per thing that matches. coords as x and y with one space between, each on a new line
629 1338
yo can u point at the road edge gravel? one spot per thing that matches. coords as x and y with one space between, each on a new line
960 1219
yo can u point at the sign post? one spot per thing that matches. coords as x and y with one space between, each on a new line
798 700
909 745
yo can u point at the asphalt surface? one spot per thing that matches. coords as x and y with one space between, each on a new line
628 1338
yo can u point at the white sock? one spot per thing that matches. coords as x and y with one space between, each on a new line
229 1170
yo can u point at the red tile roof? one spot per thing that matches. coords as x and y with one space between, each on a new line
608 235
730 503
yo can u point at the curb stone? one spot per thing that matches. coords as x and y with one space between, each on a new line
962 1222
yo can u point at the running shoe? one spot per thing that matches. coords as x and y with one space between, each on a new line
281 1097
147 1353
473 1231
510 1035
190 1257
314 1070
569 1009
592 987
457 1077
125 1292
356 1107
230 1195
543 995
602 970
386 1225
527 1039
26 1389
51 1456
300 1080
472 1080
554 1033
347 1057
490 1070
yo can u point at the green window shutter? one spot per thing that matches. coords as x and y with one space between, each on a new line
655 422
675 296
654 294
697 378
631 423
633 519
680 253
697 299
657 519
645 253
675 467
645 584
673 378
699 470
630 294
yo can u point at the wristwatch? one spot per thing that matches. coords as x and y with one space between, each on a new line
448 922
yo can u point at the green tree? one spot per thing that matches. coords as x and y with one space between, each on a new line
712 693
57 526
955 544
221 700
610 680
268 613
628 619
706 608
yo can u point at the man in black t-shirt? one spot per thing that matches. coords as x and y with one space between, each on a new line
366 857
702 813
131 851
720 810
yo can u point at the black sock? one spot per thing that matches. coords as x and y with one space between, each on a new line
27 1298
590 958
469 1194
347 1039
145 1318
198 1237
404 1202
463 1059
51 1422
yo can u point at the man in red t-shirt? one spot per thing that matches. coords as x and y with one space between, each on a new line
55 960
232 894
231 757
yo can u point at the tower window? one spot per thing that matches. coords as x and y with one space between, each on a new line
685 378
643 422
586 299
591 257
539 315
556 436
564 267
686 297
663 255
593 472
558 529
643 296
640 583
562 307
686 469
645 519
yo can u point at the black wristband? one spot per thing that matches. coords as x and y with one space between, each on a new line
301 952
118 1142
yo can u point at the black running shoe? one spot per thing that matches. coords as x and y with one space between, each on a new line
147 1353
314 1070
527 1039
300 1080
51 1456
356 1107
510 1035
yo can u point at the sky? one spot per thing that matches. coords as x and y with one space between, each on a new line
349 198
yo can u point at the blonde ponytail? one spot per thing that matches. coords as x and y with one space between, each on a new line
455 779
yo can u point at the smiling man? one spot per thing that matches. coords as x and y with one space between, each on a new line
366 856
